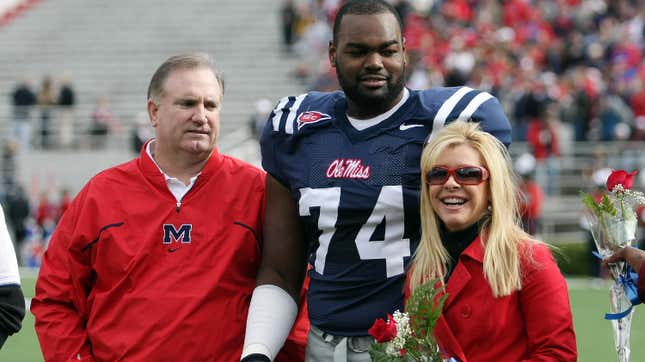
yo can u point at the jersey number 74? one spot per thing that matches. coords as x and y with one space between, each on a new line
389 206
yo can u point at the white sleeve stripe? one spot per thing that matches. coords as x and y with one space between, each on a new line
473 105
278 113
446 108
293 111
450 104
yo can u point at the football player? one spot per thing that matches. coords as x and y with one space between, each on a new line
343 189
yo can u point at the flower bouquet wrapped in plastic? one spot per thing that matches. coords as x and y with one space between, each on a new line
408 337
613 223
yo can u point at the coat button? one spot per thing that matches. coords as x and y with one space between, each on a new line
466 311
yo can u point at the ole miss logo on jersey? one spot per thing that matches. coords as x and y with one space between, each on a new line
311 117
170 233
348 168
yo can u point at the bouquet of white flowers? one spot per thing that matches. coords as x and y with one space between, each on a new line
613 222
408 337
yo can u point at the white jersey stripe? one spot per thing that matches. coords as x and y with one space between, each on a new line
293 112
446 108
467 113
278 113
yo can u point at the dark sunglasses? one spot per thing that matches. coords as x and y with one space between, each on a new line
463 175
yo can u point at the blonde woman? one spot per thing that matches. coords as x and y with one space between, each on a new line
507 300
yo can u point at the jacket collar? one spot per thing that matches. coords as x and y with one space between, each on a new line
150 170
475 250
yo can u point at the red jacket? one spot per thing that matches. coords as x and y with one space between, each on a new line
130 275
533 324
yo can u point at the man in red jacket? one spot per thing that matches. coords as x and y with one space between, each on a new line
156 259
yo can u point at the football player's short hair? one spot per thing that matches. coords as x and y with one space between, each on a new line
182 61
364 7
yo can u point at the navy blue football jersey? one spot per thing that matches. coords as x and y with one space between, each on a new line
358 193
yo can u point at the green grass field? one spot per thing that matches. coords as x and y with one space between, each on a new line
594 335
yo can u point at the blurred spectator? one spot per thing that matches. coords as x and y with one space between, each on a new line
9 171
637 102
542 137
46 99
66 102
615 117
459 63
419 75
35 244
262 109
17 211
141 132
46 211
23 99
288 18
102 123
325 80
63 204
530 107
584 98
311 44
531 197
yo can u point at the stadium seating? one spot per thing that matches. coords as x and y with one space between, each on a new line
111 49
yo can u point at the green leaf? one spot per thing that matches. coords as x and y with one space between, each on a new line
607 206
424 308
590 203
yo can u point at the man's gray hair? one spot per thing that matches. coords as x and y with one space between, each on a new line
182 61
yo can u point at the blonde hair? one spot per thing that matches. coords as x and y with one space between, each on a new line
501 230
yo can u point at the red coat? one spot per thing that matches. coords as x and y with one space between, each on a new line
533 324
131 276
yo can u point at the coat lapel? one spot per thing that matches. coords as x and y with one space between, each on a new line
456 283
447 340
461 275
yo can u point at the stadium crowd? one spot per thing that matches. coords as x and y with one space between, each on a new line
565 70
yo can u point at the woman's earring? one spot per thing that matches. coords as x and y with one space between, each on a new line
490 208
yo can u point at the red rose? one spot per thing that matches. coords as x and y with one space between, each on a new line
383 331
620 177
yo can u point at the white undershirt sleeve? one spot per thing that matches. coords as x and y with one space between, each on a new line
271 316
